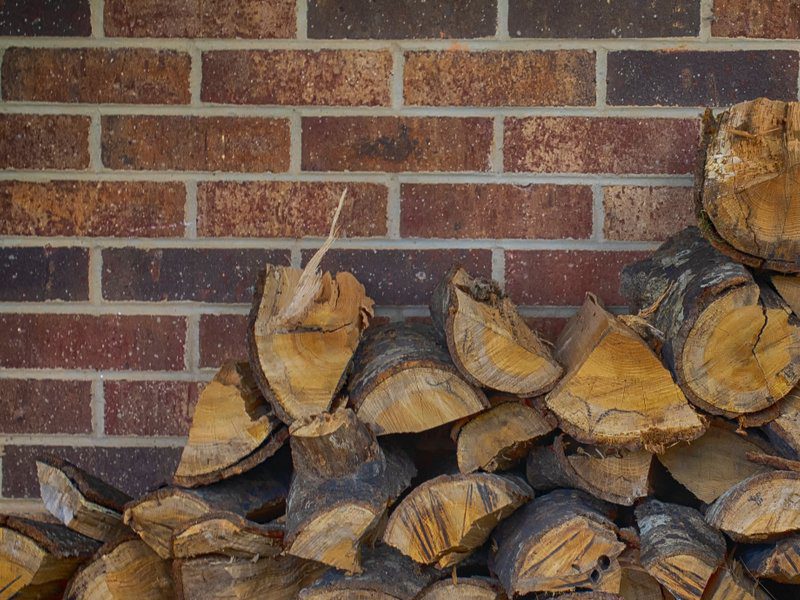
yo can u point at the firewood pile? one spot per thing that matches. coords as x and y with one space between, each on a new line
647 456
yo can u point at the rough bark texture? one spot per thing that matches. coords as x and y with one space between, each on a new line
784 430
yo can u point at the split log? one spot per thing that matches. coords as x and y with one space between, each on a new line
37 559
788 286
561 541
404 381
444 519
617 476
489 342
779 561
784 430
228 534
750 184
637 584
732 343
732 583
678 547
233 429
79 500
467 588
616 392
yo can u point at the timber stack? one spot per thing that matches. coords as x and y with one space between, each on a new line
647 456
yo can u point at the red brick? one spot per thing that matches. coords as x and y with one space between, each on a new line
33 274
176 274
548 328
70 341
44 141
499 78
646 213
756 19
222 337
495 211
562 277
45 18
600 145
96 75
396 144
45 406
200 18
92 208
149 407
196 143
305 77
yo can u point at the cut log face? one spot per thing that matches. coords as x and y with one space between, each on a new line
468 588
784 430
404 381
489 342
731 583
761 508
616 392
228 534
788 286
233 429
444 519
300 362
732 344
779 561
750 189
678 547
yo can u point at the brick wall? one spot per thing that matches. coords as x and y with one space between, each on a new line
156 152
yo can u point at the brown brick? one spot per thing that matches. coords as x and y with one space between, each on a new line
562 277
149 407
396 144
36 274
756 19
324 77
70 341
99 75
45 17
401 19
291 209
200 18
133 470
92 208
173 274
600 145
404 277
684 78
548 328
222 337
196 143
646 213
501 78
45 406
44 141
593 19
495 211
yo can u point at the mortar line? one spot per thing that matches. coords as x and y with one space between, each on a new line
83 441
502 32
145 309
296 257
2 54
301 16
21 506
97 8
98 408
192 345
598 213
195 76
499 266
92 375
95 142
190 210
1 476
95 275
706 18
498 139
601 78
396 79
295 143
393 208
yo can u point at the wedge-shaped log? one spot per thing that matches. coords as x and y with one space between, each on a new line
616 392
227 534
732 583
784 430
489 342
80 500
788 286
778 561
732 343
404 381
444 519
233 429
635 582
467 588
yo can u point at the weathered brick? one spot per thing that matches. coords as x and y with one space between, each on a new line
499 78
593 19
133 470
149 407
562 277
44 141
200 18
45 406
291 209
32 274
222 337
756 19
173 274
70 341
323 77
45 17
646 213
495 211
600 145
690 78
404 277
399 19
196 143
396 144
92 208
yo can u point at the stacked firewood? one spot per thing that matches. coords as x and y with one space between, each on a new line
647 456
